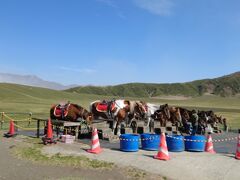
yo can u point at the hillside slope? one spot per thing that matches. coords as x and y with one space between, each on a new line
31 80
21 98
228 85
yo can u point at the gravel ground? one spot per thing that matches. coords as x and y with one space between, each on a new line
12 168
183 165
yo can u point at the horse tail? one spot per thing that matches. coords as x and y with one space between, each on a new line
90 108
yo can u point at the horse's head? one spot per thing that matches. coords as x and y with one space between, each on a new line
89 118
185 114
141 110
219 119
81 112
165 108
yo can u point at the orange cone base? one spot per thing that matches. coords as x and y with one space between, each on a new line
162 157
237 156
95 151
211 152
8 135
48 141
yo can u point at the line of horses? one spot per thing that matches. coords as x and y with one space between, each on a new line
128 113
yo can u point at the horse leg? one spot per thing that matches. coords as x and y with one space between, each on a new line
117 129
151 125
114 126
161 122
147 121
134 126
164 122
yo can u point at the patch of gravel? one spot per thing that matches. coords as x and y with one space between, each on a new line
182 166
13 168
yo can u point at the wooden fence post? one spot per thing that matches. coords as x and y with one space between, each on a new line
2 119
38 128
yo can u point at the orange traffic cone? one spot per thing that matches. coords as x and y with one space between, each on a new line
49 129
49 136
209 145
163 150
11 131
237 156
95 143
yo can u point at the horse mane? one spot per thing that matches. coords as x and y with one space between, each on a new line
53 106
77 106
80 107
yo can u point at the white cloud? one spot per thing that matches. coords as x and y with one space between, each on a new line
158 7
83 70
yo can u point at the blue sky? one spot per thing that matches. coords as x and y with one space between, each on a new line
106 42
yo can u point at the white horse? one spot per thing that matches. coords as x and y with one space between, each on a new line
116 113
151 108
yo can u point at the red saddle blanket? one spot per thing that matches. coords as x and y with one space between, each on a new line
60 111
103 107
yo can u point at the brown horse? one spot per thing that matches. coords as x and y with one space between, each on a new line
106 109
163 115
176 117
70 112
118 110
138 110
119 119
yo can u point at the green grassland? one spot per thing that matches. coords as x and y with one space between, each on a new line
18 99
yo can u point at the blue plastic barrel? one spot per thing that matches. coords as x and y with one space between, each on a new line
175 143
150 141
195 143
129 142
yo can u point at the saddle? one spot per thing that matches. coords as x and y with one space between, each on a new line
103 107
61 110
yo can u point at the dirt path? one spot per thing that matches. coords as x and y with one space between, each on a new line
12 168
183 165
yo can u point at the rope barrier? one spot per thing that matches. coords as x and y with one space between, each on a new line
9 118
29 120
170 136
26 129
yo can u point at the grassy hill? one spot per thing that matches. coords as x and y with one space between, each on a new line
19 99
223 86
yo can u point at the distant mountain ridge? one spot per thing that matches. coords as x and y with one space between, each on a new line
228 85
31 80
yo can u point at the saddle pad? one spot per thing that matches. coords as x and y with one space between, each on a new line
102 107
58 111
